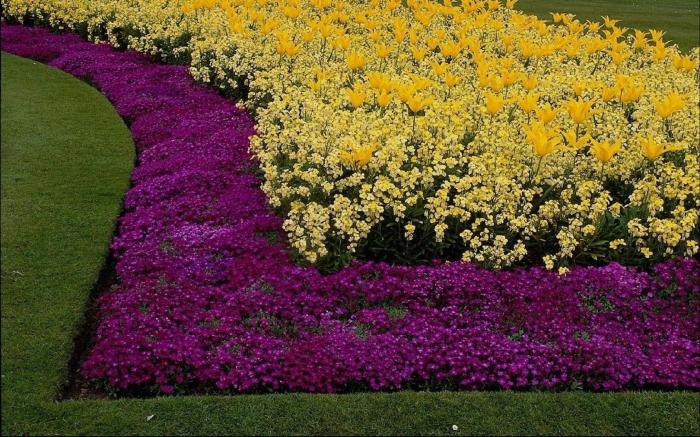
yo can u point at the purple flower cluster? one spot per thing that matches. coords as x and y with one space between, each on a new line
208 296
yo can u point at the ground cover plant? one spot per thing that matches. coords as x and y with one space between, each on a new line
46 250
208 299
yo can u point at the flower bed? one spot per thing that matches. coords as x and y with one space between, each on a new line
209 298
459 130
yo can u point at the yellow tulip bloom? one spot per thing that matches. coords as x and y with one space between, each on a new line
359 157
652 150
356 96
418 53
610 93
573 142
579 110
382 51
544 141
546 114
416 104
451 80
631 94
383 98
669 105
494 103
604 150
439 68
529 102
356 60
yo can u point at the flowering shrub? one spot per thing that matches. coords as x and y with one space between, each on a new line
409 131
208 297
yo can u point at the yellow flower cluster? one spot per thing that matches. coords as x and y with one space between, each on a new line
468 124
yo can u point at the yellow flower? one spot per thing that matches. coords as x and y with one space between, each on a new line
652 150
450 49
575 143
286 47
684 63
619 57
530 82
494 103
383 98
579 110
510 77
356 60
439 68
659 53
529 102
419 53
356 96
609 22
631 94
640 39
451 80
544 141
382 51
609 93
617 243
359 156
378 80
546 114
670 104
604 150
416 103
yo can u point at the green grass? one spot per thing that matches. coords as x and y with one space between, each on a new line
678 18
66 157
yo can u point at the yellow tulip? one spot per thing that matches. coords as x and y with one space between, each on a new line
684 63
544 141
609 93
657 36
631 94
574 142
383 98
451 80
530 82
510 77
579 110
652 150
360 156
669 105
439 68
494 103
450 50
356 60
659 53
640 39
604 150
609 22
382 51
546 114
419 53
416 104
356 96
529 102
619 57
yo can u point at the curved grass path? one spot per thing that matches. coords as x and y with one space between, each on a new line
65 162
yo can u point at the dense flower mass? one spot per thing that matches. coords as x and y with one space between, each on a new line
415 130
209 297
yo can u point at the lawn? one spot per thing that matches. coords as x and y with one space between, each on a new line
62 185
678 18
